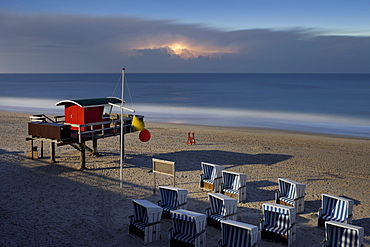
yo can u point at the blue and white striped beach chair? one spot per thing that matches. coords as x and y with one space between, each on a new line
278 223
146 221
212 176
343 235
172 198
291 193
238 234
188 229
222 207
234 185
335 208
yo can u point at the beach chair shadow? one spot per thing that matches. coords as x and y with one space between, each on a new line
312 206
255 193
365 222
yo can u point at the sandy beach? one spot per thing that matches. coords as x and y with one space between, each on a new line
44 204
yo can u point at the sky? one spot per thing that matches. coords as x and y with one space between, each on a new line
203 36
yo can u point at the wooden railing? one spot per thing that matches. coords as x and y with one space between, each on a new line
96 133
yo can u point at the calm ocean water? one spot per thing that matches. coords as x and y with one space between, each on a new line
322 103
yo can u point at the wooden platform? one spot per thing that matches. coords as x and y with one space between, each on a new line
60 134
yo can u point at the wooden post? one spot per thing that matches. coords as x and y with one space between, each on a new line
174 175
31 149
95 147
52 152
41 149
153 182
82 156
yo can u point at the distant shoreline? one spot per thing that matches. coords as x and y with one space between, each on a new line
223 126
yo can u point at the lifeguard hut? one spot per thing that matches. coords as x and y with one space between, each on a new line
83 120
88 111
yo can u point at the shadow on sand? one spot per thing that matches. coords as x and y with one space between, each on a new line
190 160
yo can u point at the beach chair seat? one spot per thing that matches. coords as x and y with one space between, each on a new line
172 198
234 185
290 193
211 178
278 223
145 223
335 208
188 229
222 207
238 234
343 235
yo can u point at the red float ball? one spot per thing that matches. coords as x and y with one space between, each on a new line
144 135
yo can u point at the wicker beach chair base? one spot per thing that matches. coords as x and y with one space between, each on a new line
232 195
274 237
178 243
132 230
212 222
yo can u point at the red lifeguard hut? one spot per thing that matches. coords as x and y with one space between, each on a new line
88 111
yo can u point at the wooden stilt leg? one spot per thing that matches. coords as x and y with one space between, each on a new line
52 152
82 156
95 147
41 149
31 149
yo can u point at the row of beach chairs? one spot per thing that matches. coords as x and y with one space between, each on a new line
278 223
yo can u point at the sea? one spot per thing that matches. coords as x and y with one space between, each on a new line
337 104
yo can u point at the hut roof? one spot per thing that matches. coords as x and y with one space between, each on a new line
91 102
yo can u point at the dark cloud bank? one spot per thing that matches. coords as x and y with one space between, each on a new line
66 43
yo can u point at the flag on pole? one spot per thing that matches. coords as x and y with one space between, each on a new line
138 124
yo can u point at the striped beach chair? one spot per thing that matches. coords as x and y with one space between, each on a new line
238 234
335 208
222 207
234 185
291 193
146 221
278 223
211 178
343 235
188 229
172 198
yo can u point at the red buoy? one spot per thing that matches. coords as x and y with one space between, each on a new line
144 135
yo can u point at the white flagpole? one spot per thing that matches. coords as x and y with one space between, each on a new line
122 133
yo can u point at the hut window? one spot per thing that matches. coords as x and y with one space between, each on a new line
107 111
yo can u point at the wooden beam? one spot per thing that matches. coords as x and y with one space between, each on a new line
82 156
95 147
32 149
41 149
52 152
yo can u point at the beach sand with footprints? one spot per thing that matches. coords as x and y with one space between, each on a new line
44 204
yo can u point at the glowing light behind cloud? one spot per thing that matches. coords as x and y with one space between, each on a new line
182 47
